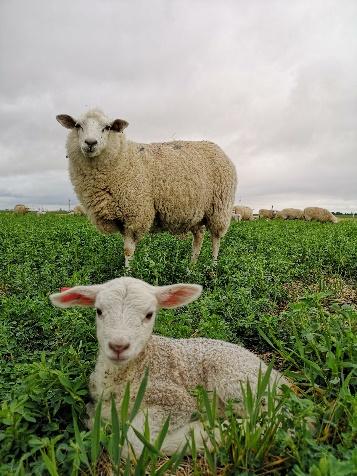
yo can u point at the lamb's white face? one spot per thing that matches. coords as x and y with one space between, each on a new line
125 319
93 130
126 310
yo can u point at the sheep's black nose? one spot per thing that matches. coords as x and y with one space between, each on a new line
91 142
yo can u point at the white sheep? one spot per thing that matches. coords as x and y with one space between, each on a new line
126 310
290 214
136 188
21 209
319 214
246 213
237 216
268 214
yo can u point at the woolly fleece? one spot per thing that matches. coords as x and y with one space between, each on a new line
134 188
290 214
319 214
246 213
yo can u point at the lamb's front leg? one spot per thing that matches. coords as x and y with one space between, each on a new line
174 440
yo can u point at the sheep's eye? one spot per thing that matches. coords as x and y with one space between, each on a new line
99 312
149 316
78 126
106 128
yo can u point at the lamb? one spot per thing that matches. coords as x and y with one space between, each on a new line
21 209
134 188
265 213
246 213
125 314
319 214
290 214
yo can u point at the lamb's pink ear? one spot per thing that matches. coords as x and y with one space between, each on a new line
66 121
177 295
77 296
118 125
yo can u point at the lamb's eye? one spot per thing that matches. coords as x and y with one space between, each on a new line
106 128
78 126
149 316
99 312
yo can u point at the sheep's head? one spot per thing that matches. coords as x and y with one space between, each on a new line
93 130
126 310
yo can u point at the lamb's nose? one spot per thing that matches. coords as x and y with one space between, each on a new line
118 348
91 142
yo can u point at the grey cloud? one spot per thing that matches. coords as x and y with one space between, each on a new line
272 82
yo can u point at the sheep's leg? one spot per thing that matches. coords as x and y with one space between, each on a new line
197 244
215 247
129 247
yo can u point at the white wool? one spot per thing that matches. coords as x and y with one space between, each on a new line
126 310
134 189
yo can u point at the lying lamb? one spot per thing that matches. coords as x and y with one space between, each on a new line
126 310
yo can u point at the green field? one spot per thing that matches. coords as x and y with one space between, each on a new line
286 290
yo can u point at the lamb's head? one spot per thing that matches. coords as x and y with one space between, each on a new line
93 130
126 310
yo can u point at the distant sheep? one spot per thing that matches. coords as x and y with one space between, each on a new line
21 209
136 188
265 213
319 214
79 210
126 310
246 213
237 216
290 214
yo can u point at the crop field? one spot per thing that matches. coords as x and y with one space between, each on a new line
285 290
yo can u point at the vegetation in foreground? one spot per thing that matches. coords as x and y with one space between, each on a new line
286 290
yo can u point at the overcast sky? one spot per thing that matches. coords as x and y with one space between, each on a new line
274 83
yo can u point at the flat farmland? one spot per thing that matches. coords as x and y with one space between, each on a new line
285 290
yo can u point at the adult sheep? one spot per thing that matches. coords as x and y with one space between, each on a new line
265 213
246 213
137 188
319 214
21 209
290 214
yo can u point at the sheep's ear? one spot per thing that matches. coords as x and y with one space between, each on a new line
66 121
177 295
118 125
77 296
